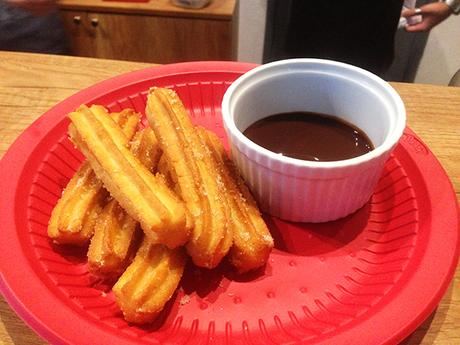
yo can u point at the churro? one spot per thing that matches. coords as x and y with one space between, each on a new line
252 242
149 201
116 233
165 171
199 181
72 219
149 281
161 214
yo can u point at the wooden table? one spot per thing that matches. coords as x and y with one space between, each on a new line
30 84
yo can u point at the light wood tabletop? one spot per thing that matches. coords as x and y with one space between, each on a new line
30 84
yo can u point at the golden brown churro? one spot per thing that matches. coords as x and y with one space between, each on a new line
252 242
73 218
199 182
116 234
163 168
149 282
162 215
115 240
173 180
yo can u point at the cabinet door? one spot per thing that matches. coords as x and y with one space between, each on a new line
159 39
80 34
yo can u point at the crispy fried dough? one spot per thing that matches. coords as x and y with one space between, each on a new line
252 242
116 234
72 219
149 282
161 214
163 168
199 182
115 240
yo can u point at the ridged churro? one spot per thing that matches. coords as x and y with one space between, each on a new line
116 234
161 214
72 219
252 242
170 191
114 243
149 282
199 181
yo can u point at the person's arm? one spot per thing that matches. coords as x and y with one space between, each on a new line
35 7
432 14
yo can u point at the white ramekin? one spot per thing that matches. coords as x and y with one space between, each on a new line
298 190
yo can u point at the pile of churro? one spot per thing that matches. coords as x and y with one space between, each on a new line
146 199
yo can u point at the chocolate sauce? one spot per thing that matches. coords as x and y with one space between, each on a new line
309 136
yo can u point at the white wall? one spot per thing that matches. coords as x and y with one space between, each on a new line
251 28
441 58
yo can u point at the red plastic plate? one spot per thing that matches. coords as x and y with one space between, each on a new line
373 276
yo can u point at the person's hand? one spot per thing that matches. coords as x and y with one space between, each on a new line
432 14
35 7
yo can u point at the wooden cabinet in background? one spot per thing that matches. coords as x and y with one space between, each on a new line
167 36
